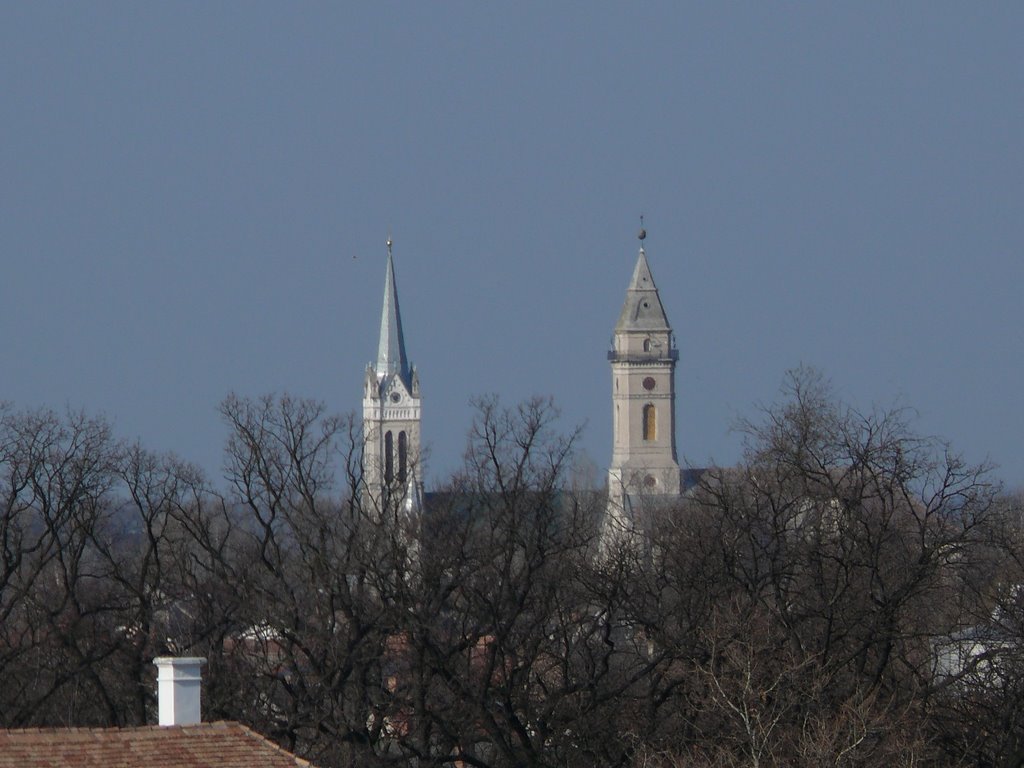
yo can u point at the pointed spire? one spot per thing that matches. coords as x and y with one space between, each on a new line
391 357
642 310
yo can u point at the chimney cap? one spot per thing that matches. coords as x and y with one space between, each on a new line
173 661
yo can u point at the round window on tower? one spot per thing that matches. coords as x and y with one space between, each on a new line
650 482
649 383
395 397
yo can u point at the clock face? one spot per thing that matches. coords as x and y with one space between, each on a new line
649 383
395 397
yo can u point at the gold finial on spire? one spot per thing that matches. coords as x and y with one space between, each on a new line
388 242
642 234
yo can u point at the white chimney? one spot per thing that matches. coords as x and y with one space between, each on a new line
178 684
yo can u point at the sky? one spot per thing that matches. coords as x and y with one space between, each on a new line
195 198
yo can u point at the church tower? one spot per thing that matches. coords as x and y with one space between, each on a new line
643 360
391 413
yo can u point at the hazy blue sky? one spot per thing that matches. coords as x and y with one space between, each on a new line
194 199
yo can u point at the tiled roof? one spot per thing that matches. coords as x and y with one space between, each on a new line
206 745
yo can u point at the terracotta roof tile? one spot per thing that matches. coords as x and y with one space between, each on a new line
206 745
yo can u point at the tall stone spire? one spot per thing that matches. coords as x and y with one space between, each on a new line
643 361
391 357
391 413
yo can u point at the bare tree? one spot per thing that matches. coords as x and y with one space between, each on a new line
318 612
843 540
56 475
849 594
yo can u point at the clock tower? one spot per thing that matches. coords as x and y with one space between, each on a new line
643 360
391 414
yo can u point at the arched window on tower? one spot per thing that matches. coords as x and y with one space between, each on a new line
389 458
402 455
647 345
650 422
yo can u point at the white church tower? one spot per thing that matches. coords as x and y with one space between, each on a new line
643 360
391 414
